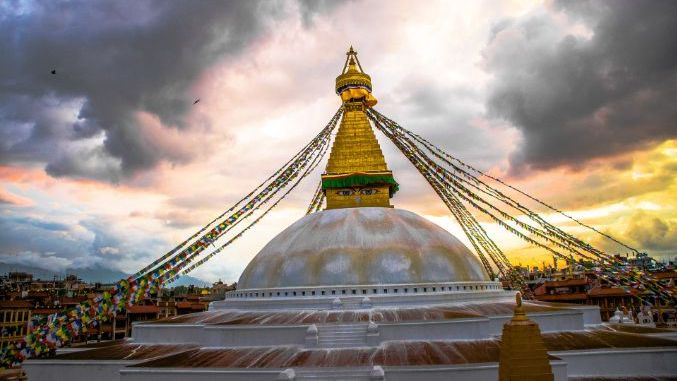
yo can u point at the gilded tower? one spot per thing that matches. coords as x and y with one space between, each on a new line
357 174
523 355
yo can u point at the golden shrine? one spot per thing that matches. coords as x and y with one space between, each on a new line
523 356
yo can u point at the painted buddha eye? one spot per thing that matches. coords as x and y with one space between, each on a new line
345 192
369 191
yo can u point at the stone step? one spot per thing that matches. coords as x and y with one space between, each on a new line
337 339
339 325
343 346
327 377
342 334
344 370
341 337
340 342
343 330
334 329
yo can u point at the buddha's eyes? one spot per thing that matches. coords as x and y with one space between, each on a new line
350 192
345 192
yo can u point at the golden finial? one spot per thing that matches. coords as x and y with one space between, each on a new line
352 75
351 65
519 309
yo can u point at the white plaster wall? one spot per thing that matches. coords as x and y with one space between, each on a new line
74 370
591 314
169 333
266 335
173 374
457 329
556 321
469 372
630 362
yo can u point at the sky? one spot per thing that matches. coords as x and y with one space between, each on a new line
109 163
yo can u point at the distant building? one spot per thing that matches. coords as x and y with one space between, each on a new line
569 290
140 313
609 299
14 318
167 308
20 277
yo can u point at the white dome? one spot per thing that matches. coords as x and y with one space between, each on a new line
361 246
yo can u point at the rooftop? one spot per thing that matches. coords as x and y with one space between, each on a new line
15 304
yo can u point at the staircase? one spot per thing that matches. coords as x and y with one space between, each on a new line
342 335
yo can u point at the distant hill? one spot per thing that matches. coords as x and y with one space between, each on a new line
91 275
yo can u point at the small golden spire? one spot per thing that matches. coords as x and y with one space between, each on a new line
351 66
519 315
523 355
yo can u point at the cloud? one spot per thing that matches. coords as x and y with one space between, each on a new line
598 84
98 241
7 197
30 238
113 61
39 260
652 232
41 224
650 175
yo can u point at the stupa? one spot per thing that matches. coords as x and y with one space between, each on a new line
364 291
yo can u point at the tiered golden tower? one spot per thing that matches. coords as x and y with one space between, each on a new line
357 174
523 356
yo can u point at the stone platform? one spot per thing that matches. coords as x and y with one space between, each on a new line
434 337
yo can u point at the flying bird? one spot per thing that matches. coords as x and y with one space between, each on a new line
196 101
53 71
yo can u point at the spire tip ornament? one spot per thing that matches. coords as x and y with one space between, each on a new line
519 315
353 84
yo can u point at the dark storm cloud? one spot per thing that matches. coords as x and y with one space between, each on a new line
112 59
577 98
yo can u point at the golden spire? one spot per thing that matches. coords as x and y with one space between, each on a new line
357 174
